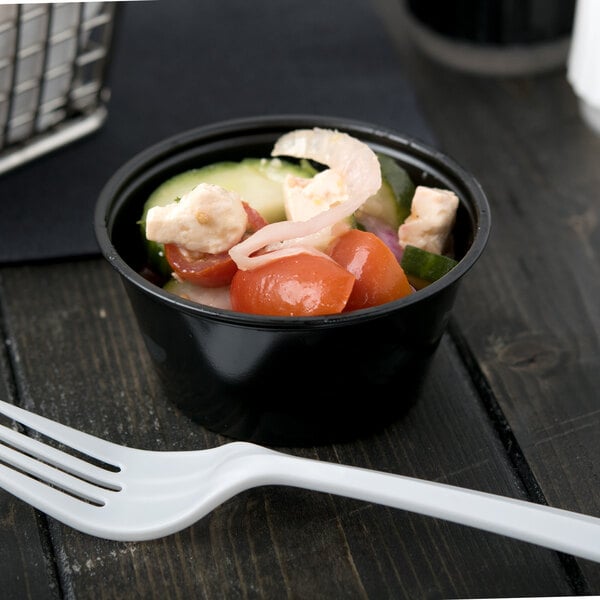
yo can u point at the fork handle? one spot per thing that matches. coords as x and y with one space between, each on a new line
574 533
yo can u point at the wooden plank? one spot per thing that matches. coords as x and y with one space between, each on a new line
80 360
26 558
529 311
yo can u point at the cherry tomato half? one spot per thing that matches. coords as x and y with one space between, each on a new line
379 276
299 285
209 270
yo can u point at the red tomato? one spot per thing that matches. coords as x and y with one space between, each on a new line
209 270
379 276
299 285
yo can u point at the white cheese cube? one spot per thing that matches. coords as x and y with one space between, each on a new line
431 219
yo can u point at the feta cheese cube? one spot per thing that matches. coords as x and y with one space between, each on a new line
431 219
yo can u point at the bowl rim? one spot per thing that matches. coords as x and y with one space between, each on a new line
155 154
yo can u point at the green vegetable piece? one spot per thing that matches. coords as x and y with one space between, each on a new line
392 201
402 185
423 267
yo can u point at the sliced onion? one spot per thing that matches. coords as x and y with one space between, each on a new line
355 162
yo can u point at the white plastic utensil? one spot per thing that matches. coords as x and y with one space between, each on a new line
141 495
583 66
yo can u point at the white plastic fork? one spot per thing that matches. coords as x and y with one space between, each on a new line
141 495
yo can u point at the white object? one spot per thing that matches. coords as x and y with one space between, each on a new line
304 198
147 495
431 219
583 68
208 218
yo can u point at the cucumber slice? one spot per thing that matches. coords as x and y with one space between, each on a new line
258 181
402 185
392 202
423 267
381 205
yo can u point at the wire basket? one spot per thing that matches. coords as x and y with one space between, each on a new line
53 66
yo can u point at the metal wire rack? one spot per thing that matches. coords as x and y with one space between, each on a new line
53 66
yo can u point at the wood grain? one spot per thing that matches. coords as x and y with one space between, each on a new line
26 561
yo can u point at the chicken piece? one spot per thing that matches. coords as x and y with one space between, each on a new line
305 198
207 219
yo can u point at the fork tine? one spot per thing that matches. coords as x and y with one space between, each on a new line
52 476
102 450
57 504
57 458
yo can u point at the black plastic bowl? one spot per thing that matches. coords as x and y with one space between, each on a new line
286 380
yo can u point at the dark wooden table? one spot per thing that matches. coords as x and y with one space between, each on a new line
512 405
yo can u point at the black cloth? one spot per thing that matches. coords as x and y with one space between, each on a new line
180 64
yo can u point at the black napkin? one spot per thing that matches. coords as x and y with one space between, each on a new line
179 64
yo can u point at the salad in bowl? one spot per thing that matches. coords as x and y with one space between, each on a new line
292 275
342 230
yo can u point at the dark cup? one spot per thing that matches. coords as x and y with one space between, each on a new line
286 380
495 37
497 22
